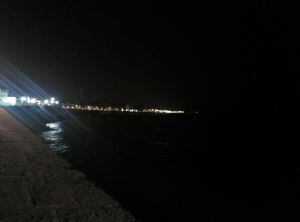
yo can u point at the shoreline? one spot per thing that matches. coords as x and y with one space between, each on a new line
38 185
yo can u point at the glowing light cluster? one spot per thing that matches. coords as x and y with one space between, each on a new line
162 111
5 99
26 100
114 109
10 101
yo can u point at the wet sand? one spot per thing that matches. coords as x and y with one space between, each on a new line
37 185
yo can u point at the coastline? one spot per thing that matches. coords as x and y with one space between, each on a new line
38 185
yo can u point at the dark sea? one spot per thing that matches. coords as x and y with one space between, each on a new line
205 167
149 163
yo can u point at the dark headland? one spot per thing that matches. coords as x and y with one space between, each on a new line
37 185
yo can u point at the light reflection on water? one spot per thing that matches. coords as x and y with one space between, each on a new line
53 137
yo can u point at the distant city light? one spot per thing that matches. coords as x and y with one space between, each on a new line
23 99
33 100
114 109
11 101
7 100
52 100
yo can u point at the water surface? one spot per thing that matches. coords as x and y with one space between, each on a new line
149 163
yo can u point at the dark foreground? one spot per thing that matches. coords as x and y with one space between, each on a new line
37 185
234 166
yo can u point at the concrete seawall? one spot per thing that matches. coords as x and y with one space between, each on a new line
37 185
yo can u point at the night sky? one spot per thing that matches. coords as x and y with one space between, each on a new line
177 54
